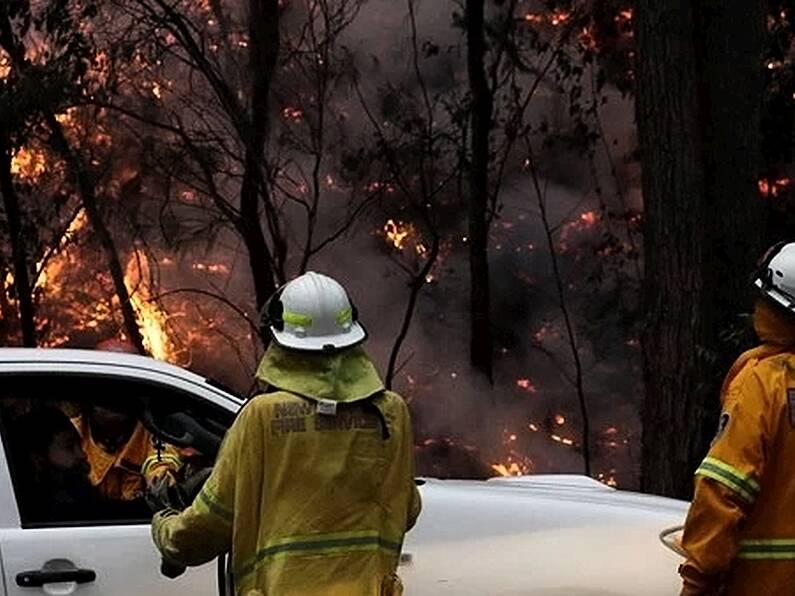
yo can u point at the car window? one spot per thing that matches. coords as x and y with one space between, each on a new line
83 449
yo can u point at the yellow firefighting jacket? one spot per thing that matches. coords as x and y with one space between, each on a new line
123 475
740 531
313 488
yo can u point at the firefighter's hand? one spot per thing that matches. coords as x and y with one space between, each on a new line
158 494
171 570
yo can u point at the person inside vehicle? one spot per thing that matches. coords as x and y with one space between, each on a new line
313 489
53 472
124 456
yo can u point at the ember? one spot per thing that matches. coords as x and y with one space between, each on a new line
398 232
773 188
526 385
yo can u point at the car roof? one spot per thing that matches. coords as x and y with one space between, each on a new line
68 357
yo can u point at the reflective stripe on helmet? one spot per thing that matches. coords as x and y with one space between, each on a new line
320 545
345 317
772 548
742 484
296 319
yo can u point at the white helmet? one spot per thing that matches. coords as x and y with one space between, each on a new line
313 313
776 275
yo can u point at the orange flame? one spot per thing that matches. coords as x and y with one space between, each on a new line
153 321
397 232
29 164
510 468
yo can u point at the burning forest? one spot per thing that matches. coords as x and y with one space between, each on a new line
168 165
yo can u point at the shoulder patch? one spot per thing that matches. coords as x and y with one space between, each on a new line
791 400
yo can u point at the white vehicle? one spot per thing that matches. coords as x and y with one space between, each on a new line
542 535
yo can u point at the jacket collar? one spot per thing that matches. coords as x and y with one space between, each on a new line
772 325
345 376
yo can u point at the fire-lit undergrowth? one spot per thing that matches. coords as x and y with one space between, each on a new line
349 152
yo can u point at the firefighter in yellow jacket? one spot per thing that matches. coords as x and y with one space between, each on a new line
313 489
740 531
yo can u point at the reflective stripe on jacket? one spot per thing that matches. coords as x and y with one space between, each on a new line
740 530
309 503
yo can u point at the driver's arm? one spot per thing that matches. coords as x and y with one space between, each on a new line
204 530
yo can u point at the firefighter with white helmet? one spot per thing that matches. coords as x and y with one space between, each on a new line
740 531
313 488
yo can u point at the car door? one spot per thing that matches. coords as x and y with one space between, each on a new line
87 556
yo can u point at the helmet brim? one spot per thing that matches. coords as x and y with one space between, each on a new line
356 335
775 295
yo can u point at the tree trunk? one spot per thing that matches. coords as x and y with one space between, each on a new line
5 308
86 189
481 350
733 37
19 255
263 53
699 135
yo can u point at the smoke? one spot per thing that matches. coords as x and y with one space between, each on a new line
530 416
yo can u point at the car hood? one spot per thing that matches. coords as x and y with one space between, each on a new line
546 536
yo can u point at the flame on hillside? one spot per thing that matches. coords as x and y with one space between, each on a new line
153 320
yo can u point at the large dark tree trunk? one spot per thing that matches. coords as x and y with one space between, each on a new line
263 53
698 100
481 350
22 284
19 256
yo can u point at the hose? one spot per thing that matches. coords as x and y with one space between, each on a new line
672 543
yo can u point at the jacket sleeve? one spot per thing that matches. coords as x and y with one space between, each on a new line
727 484
415 503
204 530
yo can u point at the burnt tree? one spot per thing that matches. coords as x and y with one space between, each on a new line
481 350
266 265
86 189
9 120
248 114
19 256
699 91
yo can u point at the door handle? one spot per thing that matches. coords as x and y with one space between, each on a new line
41 577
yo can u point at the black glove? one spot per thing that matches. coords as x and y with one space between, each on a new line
189 489
171 570
165 494
159 494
